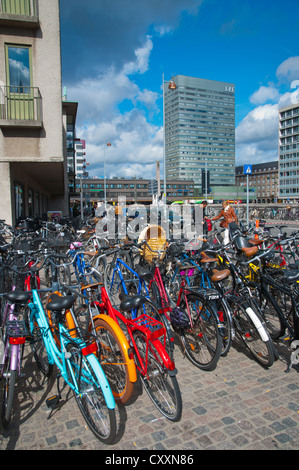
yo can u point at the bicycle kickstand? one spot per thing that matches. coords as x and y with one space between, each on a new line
52 402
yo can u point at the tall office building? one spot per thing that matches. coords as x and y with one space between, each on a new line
289 153
200 131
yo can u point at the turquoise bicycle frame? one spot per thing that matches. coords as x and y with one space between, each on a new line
55 356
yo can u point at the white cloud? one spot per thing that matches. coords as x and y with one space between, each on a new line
264 94
140 65
136 143
257 133
288 70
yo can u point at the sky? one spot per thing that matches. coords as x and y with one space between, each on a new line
115 53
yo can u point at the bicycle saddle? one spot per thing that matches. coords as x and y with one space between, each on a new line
219 275
250 251
206 258
130 302
58 303
144 273
18 297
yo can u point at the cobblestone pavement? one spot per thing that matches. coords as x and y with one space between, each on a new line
237 406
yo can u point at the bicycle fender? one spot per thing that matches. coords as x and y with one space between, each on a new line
169 364
125 345
258 324
104 384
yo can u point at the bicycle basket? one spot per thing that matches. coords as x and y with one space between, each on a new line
155 237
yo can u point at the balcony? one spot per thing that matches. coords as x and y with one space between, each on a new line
20 107
19 13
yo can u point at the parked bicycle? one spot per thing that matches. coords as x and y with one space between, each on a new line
76 361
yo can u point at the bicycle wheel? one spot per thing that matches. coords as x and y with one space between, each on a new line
10 377
247 320
112 284
161 387
38 347
225 325
272 314
202 342
91 401
113 361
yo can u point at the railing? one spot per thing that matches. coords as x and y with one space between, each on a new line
22 13
19 7
20 105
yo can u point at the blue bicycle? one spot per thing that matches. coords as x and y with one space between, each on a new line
120 277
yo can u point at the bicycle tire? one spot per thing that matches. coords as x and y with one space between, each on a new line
251 334
113 361
272 315
202 343
225 325
38 347
91 402
162 388
8 394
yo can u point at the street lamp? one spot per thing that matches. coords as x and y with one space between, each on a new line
107 145
171 86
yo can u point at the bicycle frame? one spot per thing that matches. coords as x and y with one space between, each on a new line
29 278
15 338
60 358
106 312
79 262
141 283
153 333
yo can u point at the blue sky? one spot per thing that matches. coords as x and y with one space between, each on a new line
114 53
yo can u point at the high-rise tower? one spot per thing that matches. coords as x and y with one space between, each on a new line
200 131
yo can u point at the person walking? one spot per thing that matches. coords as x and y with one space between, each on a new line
229 221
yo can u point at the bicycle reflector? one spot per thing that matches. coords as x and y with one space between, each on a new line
19 340
90 349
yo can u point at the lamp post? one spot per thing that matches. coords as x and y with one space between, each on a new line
105 198
171 86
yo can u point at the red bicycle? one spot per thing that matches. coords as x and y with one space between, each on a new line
147 337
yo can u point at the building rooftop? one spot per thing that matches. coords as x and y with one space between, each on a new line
259 167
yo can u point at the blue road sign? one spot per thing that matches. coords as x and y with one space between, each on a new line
247 169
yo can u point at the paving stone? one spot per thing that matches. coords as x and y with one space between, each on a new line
237 406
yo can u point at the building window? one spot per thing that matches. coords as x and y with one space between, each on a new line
30 203
19 80
19 200
18 68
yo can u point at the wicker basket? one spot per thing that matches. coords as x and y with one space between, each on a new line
155 237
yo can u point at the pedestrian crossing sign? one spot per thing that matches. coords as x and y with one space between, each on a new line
247 169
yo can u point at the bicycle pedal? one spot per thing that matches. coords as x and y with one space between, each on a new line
286 337
52 402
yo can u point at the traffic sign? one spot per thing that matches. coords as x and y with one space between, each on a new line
247 169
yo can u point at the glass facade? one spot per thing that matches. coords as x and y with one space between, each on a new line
200 130
289 152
